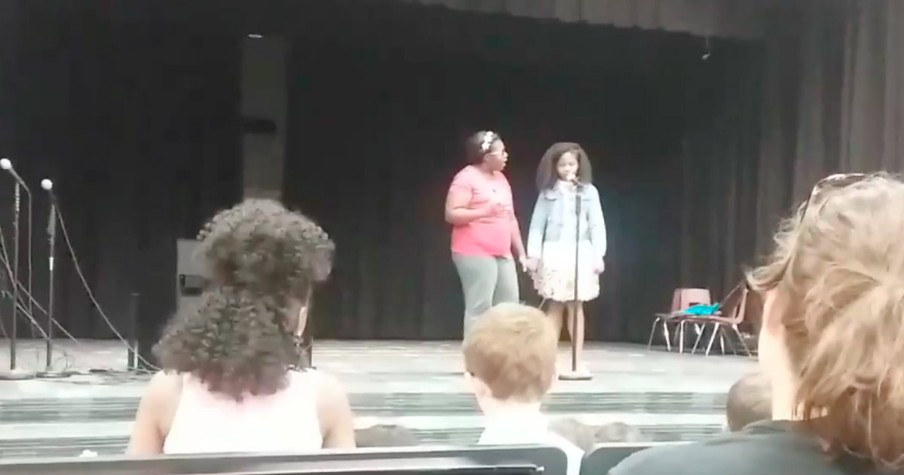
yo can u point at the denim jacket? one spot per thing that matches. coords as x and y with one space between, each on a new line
547 221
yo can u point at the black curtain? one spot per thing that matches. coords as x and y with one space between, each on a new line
836 91
375 132
137 124
832 100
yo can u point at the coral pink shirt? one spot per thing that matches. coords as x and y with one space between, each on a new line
492 235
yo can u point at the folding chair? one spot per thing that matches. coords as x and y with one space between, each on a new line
724 323
682 299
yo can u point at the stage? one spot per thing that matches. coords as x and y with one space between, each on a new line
419 385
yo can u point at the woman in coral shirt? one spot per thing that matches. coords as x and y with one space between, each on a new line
484 227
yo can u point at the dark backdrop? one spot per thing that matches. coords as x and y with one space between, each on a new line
137 124
133 108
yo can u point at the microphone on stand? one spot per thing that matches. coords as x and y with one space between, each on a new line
47 185
7 165
573 374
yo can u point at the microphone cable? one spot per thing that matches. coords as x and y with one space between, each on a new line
90 293
28 312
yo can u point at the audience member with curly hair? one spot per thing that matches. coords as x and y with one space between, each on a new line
831 344
229 381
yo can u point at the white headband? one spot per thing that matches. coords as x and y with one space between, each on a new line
488 139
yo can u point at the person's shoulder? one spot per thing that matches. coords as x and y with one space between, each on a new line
502 178
756 447
329 390
162 394
164 384
465 176
655 460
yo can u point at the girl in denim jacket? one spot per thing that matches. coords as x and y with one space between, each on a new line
563 176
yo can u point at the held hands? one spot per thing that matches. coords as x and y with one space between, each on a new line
600 267
529 265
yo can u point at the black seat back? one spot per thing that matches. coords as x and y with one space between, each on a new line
509 460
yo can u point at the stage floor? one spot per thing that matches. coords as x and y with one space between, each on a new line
419 385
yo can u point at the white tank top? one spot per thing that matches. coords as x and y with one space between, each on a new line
286 421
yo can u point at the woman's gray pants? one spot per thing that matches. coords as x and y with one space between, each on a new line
486 281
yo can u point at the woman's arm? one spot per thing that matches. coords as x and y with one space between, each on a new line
337 424
457 202
537 227
148 434
597 224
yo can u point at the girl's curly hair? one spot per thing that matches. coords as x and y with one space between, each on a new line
262 261
547 173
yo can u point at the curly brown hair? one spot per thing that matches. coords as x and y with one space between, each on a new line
263 261
547 175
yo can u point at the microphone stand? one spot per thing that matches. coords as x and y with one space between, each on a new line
30 251
20 184
17 203
574 375
13 373
51 252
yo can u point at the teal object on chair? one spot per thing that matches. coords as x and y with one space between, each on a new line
702 310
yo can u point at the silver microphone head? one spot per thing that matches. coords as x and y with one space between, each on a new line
6 164
47 184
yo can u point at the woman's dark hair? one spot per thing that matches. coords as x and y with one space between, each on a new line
479 144
547 175
263 261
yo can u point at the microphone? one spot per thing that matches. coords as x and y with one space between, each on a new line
7 165
47 185
573 179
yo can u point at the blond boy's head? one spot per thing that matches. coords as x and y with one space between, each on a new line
511 351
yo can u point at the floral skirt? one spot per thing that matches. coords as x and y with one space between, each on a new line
554 279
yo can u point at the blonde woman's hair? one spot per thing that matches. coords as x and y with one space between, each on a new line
839 264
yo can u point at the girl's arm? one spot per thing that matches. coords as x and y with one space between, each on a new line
148 433
517 242
335 415
597 224
537 227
